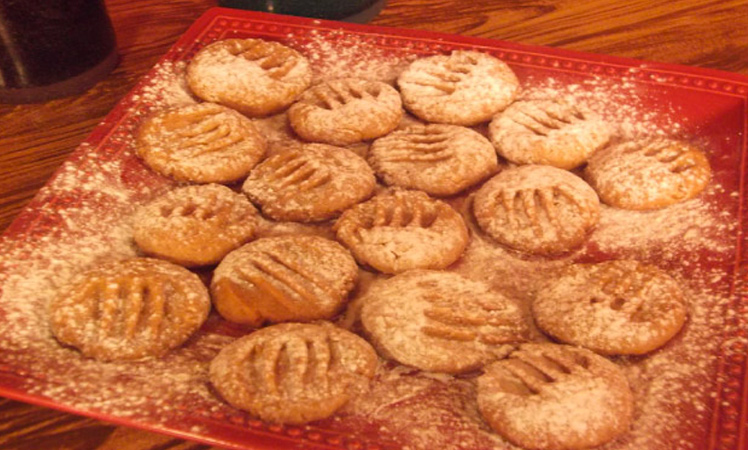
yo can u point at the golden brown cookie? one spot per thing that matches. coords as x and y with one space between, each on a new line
309 183
648 174
462 88
131 309
537 209
399 230
441 321
293 373
253 76
614 307
282 279
550 132
195 225
437 159
345 111
555 397
202 143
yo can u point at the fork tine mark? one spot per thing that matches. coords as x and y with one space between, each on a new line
449 333
132 308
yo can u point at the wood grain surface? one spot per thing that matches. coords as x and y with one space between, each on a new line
35 139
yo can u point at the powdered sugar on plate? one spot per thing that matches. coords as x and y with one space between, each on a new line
83 217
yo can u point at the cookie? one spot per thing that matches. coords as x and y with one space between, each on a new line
282 279
253 76
345 111
309 183
441 160
463 88
201 143
615 307
440 321
293 373
553 397
549 132
537 209
648 174
195 225
130 309
399 230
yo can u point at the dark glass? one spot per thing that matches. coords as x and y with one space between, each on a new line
355 10
52 48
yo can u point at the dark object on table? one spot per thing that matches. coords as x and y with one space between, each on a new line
359 11
53 48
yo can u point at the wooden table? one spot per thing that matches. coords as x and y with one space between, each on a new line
36 139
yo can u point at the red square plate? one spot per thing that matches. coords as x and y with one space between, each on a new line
691 394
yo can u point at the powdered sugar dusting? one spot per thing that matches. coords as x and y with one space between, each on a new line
337 54
615 99
167 86
84 217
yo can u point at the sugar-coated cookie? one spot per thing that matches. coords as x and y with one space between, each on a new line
399 230
440 321
345 111
283 278
537 209
463 88
130 309
195 225
293 373
648 174
620 307
201 143
438 159
551 132
309 183
555 397
253 76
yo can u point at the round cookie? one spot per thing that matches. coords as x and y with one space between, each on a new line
293 373
554 397
537 209
201 143
614 307
441 321
399 230
345 111
549 132
438 159
309 183
648 174
463 88
282 279
253 76
195 225
130 309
